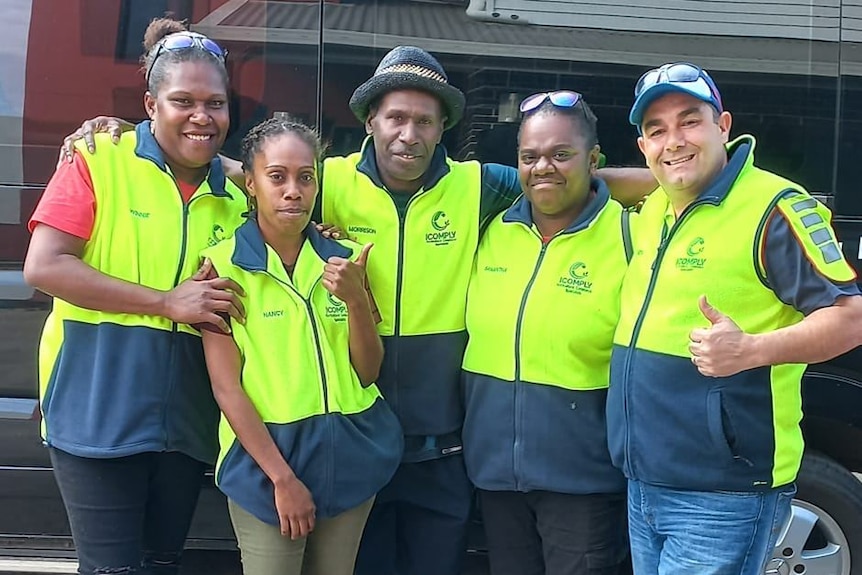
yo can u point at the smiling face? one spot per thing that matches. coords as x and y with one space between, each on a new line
283 182
555 164
683 144
190 117
406 126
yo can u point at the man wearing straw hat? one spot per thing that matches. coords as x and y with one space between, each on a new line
423 212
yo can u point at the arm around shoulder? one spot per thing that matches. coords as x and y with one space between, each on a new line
628 186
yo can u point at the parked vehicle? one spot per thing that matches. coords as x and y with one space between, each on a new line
790 71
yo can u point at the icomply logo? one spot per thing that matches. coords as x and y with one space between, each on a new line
693 259
335 308
579 270
578 279
441 235
439 221
217 235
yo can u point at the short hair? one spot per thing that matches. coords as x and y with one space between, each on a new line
374 105
156 69
252 143
580 113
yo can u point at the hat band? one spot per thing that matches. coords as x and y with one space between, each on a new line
414 69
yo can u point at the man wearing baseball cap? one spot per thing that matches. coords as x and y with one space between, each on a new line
736 283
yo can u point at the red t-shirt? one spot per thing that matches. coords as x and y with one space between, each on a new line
69 204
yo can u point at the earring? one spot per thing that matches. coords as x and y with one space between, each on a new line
153 127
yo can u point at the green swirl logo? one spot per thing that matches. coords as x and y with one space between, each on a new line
578 270
439 221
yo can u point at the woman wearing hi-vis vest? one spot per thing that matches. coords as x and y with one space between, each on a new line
541 311
128 412
306 438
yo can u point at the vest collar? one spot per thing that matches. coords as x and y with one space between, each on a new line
147 148
250 251
520 211
437 169
740 154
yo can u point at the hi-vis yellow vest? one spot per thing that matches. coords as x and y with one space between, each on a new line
668 424
541 319
117 384
525 295
419 276
340 438
415 262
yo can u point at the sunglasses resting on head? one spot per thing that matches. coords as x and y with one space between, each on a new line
560 99
183 41
675 77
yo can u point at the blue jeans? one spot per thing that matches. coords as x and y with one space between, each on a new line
676 532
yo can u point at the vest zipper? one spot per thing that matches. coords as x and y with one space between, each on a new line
319 354
174 325
516 450
654 271
399 279
310 310
330 464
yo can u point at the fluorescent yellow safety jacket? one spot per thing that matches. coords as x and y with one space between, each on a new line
668 424
340 438
118 384
419 276
541 319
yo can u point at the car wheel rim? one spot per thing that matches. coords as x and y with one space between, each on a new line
811 543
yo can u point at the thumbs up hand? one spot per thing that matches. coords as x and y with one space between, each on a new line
346 279
722 349
362 260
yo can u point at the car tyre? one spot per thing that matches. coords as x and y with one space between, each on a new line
825 527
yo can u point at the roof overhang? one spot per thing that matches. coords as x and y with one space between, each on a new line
449 30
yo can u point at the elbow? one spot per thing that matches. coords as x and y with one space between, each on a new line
369 376
221 393
849 322
31 275
371 371
37 274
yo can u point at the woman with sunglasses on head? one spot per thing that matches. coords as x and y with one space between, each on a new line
128 412
541 311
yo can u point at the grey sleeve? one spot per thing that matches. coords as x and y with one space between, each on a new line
792 277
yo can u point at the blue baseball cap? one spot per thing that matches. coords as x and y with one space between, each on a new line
676 77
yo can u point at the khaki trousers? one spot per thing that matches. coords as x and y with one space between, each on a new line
329 550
